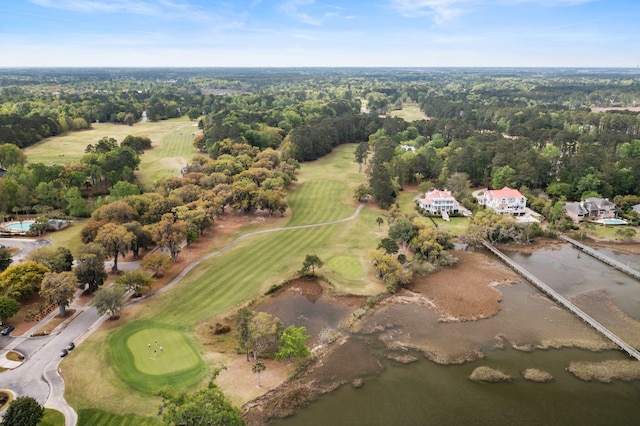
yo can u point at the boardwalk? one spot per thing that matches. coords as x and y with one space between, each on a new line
554 295
605 259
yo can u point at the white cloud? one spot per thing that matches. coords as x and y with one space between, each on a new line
445 10
293 8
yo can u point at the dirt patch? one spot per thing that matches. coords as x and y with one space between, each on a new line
472 294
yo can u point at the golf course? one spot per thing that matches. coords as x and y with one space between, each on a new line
127 367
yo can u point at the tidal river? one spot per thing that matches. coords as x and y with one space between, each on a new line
427 393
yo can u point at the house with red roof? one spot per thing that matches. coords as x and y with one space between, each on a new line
504 201
435 202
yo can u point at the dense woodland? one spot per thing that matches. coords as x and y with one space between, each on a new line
530 129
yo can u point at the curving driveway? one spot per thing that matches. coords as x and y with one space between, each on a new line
38 376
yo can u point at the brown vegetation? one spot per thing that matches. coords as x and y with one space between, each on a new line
605 371
472 295
489 375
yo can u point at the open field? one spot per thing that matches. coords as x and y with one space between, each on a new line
220 284
409 113
171 141
69 237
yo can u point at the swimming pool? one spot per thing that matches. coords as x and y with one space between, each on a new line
18 226
612 221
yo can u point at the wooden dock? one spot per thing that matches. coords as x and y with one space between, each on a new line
554 295
603 258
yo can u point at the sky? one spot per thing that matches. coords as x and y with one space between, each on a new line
319 33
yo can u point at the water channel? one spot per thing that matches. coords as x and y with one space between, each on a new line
426 393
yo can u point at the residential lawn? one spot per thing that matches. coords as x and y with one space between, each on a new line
171 141
52 418
609 231
103 418
232 278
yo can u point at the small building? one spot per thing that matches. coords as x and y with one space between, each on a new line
435 202
504 201
590 209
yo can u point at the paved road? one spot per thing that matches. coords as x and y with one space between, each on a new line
26 246
38 376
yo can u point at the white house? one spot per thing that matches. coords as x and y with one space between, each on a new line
435 202
504 201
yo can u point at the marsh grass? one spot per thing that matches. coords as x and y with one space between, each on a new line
535 375
489 375
605 371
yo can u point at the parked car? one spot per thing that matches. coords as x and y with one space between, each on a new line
7 330
63 353
71 346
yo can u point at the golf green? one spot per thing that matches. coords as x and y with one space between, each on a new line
161 351
143 365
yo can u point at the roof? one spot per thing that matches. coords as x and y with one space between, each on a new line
437 194
505 192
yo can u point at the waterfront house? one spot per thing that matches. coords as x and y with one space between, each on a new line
435 202
503 201
590 209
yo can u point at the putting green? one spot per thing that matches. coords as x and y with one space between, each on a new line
348 266
176 354
178 365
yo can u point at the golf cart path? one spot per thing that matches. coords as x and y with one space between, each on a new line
195 263
51 374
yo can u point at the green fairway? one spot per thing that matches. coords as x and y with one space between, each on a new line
149 369
172 146
103 418
349 266
232 278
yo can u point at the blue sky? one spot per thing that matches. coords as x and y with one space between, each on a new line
281 33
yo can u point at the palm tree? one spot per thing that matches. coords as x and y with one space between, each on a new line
258 367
